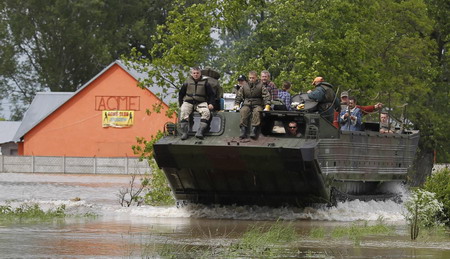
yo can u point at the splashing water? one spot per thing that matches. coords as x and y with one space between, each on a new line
97 194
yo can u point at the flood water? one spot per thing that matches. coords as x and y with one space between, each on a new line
146 231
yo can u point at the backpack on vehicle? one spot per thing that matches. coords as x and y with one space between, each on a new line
213 79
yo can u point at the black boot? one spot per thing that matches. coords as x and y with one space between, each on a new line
201 129
253 132
243 132
184 128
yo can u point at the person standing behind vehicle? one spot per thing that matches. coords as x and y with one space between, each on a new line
344 99
350 118
386 124
325 95
285 96
195 94
253 96
269 85
364 109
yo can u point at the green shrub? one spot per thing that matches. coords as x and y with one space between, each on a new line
423 210
439 183
156 187
27 211
159 192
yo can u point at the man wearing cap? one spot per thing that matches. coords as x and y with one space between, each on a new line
364 109
253 96
325 95
344 100
242 80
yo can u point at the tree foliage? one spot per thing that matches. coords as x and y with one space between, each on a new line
382 50
62 44
439 183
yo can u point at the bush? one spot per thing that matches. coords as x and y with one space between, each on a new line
155 185
439 183
423 211
30 211
159 192
423 206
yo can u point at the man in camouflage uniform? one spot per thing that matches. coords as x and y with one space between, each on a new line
325 95
254 96
196 93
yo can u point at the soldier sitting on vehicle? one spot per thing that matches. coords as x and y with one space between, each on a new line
242 80
195 94
253 96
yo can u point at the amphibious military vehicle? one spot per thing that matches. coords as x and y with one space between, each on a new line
322 165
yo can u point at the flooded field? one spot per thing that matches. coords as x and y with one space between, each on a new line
162 232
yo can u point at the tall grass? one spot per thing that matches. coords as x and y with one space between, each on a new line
259 241
30 211
355 232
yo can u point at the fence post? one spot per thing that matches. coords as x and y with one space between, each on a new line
95 165
3 163
126 165
32 164
64 164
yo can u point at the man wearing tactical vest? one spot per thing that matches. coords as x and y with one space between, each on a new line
196 93
253 95
325 95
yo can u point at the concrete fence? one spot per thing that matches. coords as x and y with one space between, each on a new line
437 167
72 165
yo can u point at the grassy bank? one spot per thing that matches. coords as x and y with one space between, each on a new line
30 212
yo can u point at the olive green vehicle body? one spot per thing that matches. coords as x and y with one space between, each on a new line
276 170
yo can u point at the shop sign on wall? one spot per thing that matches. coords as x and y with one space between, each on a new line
128 103
117 119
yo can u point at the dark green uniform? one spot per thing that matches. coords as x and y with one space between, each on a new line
253 96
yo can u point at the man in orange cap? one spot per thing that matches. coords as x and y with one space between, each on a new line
317 80
325 95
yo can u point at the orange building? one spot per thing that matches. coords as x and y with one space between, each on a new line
103 118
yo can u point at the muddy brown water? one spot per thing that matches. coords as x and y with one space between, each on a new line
146 231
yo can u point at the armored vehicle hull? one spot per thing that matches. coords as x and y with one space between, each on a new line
276 170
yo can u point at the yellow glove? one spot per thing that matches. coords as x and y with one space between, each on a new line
236 107
267 108
301 106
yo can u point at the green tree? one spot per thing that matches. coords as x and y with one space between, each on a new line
60 45
178 44
382 50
